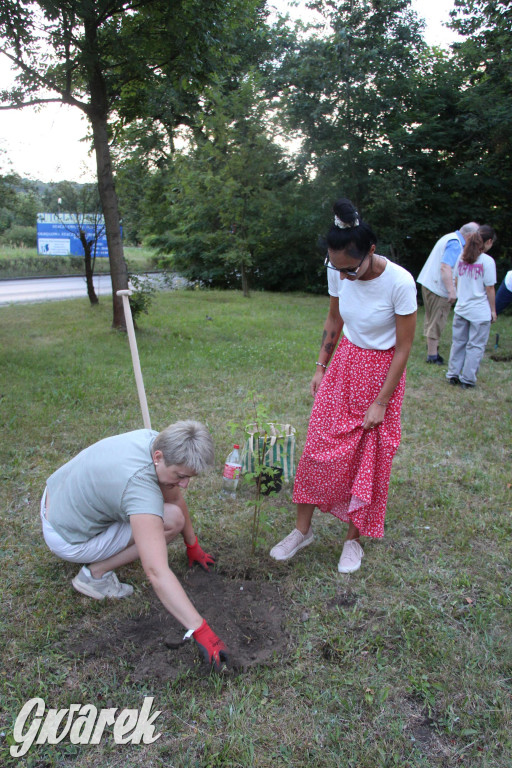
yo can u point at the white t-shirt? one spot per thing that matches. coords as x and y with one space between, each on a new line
104 484
368 307
508 281
472 302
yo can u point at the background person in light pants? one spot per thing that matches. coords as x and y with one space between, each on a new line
437 289
475 310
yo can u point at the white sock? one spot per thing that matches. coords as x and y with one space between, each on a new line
89 574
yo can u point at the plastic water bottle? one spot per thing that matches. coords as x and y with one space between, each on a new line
231 472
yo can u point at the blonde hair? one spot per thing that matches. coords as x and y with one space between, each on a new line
188 443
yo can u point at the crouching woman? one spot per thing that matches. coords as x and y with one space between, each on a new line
120 500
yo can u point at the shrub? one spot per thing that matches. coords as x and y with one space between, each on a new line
20 236
142 296
161 262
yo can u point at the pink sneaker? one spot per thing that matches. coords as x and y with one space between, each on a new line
291 544
351 557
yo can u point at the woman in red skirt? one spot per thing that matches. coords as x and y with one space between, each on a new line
354 430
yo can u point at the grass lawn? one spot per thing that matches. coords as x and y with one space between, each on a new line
406 663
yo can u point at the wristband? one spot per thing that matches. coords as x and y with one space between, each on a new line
323 366
188 634
384 405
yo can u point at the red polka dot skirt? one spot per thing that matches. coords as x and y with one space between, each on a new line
345 469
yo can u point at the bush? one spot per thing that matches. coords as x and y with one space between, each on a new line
142 296
18 235
161 262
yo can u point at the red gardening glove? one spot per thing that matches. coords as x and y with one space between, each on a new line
211 647
196 555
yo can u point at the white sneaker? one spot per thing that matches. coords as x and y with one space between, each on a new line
107 586
351 557
291 544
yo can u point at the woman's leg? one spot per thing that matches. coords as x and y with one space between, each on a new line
98 580
352 533
304 517
460 334
352 552
173 521
300 537
477 341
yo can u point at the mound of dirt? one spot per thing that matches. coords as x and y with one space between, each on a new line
247 615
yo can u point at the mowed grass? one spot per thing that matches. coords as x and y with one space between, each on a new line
406 663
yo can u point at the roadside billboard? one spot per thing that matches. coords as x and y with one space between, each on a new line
58 234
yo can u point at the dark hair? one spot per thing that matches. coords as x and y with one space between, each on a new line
357 238
475 243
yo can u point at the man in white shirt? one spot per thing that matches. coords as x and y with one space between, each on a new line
437 287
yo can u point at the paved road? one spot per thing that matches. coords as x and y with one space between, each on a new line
54 288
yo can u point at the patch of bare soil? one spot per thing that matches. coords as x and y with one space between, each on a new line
247 615
342 600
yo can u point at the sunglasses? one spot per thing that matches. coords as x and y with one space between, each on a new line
345 270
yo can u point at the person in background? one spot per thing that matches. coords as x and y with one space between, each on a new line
354 429
437 290
120 500
475 310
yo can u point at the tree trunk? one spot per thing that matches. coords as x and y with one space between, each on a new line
245 281
97 113
89 268
108 197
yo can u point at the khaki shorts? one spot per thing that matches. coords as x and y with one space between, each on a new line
437 309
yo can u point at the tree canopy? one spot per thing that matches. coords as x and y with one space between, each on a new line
229 134
116 59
